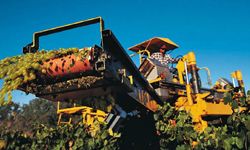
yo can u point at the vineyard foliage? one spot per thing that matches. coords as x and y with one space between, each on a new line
60 138
175 129
34 126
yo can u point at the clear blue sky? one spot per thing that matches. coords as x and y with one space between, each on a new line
218 31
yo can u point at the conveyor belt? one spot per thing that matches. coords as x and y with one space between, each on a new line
109 64
112 45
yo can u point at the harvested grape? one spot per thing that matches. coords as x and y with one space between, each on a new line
18 70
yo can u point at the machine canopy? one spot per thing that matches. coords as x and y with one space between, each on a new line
154 44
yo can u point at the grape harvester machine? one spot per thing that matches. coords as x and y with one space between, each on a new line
129 94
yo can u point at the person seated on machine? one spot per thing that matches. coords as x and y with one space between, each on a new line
162 57
164 60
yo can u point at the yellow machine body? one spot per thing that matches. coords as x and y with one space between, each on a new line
194 102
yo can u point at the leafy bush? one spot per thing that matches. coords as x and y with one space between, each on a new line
175 130
61 138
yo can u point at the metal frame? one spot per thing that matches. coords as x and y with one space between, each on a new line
34 46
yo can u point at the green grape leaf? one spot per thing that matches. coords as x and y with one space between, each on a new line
234 104
239 142
227 144
247 124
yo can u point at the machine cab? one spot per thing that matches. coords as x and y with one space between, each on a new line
151 68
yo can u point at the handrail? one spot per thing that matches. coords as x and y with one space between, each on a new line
34 46
209 80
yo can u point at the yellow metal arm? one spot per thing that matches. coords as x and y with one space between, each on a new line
238 76
88 114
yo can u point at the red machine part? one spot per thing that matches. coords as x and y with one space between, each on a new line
69 64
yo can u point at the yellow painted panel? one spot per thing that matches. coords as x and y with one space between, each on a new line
218 109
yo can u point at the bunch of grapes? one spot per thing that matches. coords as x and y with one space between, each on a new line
22 69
